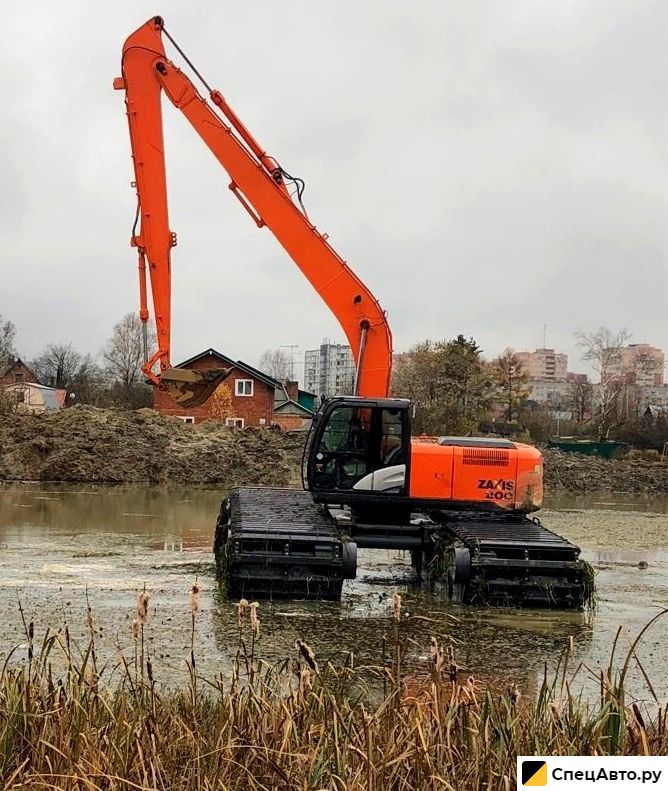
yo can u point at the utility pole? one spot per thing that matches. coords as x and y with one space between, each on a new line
293 349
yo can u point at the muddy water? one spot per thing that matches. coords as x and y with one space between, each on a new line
57 543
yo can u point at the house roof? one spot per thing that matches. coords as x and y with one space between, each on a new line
14 363
242 366
281 393
293 408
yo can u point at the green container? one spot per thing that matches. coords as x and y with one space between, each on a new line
608 449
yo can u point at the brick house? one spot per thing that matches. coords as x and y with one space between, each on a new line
16 373
246 398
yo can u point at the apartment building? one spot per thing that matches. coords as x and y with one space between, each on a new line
329 370
637 363
544 364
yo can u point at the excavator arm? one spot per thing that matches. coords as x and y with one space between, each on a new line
259 183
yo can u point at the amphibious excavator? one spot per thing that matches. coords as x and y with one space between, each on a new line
463 506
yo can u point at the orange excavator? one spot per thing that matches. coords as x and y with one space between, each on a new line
461 505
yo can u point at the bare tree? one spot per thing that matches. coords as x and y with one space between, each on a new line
580 401
124 351
596 345
276 363
7 335
62 366
598 348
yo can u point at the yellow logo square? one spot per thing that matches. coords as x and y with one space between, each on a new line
534 773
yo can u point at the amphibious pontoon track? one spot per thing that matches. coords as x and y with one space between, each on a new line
518 561
278 543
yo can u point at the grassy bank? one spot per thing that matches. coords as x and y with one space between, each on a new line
66 722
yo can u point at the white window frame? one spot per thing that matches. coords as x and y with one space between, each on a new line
234 422
240 386
189 419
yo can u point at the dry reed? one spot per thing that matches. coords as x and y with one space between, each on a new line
298 725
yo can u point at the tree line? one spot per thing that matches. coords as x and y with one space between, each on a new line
111 378
455 390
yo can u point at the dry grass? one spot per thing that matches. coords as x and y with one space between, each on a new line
298 725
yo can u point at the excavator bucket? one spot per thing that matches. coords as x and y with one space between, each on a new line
192 388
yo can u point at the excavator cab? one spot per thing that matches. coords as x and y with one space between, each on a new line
358 446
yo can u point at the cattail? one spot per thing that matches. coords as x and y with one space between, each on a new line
31 630
307 652
149 669
194 598
135 628
639 718
570 642
453 670
242 609
254 620
142 606
396 607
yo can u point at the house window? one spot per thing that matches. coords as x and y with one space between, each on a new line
243 387
20 396
234 422
186 418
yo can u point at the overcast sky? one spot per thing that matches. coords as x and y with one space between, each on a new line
486 166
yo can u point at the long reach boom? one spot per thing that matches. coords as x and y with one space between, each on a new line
260 184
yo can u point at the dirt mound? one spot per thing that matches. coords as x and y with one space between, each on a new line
84 443
87 444
575 472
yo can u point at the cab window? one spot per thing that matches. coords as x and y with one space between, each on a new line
357 441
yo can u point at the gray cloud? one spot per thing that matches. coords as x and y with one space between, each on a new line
487 168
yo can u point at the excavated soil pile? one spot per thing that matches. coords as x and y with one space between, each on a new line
575 472
86 444
113 446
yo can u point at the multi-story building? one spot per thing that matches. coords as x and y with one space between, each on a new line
637 363
544 364
329 370
555 395
552 384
